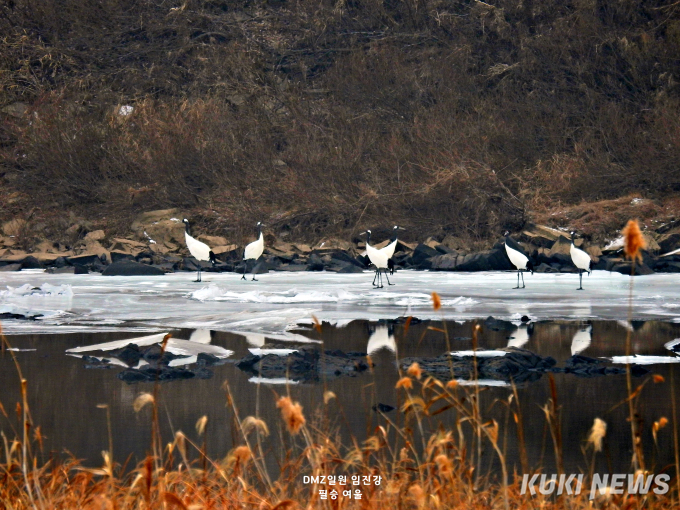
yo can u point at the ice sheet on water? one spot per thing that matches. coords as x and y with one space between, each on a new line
279 301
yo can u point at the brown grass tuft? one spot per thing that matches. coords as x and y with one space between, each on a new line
633 240
444 465
242 454
291 412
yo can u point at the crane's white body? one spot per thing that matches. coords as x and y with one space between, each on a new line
580 258
581 340
198 250
377 257
519 260
254 250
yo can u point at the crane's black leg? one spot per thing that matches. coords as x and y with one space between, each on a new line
198 275
245 266
375 276
517 281
388 280
580 279
380 285
523 286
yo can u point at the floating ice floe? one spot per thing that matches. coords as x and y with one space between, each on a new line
45 290
479 354
257 351
174 346
640 359
482 382
17 349
271 380
672 344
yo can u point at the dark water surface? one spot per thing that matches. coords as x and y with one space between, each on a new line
64 395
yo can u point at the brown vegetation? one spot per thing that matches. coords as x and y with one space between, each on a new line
324 117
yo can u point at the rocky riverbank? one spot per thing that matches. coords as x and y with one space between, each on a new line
156 246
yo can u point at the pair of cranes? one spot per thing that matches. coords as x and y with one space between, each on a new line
202 252
521 260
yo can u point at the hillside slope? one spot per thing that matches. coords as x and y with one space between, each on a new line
448 117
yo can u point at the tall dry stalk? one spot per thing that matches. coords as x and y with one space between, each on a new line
634 242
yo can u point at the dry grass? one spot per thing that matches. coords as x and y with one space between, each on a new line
421 464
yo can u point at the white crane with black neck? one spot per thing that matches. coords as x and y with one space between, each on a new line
379 259
200 251
518 257
581 260
253 250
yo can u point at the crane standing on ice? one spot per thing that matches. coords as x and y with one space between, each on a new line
200 251
253 250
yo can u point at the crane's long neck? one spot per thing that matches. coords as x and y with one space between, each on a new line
394 235
186 228
259 232
368 238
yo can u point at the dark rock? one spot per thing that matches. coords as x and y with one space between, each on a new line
10 267
498 324
445 250
84 260
641 269
62 270
382 408
291 267
205 359
491 260
131 268
314 263
445 262
130 354
119 256
348 268
60 262
669 242
305 364
152 374
80 269
31 262
422 253
341 256
19 316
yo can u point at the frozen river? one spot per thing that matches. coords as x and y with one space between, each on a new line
279 301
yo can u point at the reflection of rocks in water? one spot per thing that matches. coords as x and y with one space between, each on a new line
152 364
583 366
307 364
518 365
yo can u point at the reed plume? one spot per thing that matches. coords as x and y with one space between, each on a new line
597 433
633 241
141 401
405 382
291 412
414 370
252 423
436 301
